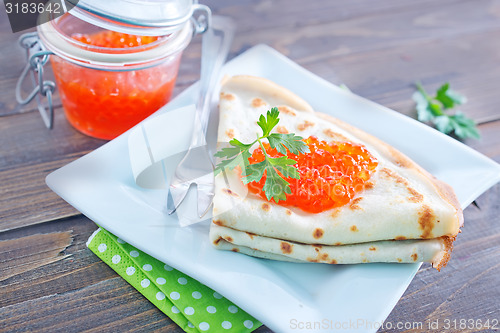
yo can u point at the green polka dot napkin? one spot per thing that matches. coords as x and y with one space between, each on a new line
190 304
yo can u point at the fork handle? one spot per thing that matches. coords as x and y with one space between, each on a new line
216 42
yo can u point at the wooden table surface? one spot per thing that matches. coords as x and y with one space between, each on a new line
50 281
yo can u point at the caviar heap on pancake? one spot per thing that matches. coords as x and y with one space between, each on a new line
330 174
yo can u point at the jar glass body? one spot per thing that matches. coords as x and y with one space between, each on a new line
105 91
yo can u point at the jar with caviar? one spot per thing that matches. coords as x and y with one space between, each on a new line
115 62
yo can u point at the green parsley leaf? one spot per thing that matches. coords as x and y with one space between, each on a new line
434 109
267 123
289 141
275 187
448 97
275 168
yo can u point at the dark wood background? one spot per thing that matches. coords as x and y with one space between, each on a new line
49 280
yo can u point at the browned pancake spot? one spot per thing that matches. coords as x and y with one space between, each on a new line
234 249
304 125
318 233
354 203
229 239
288 212
333 261
218 222
354 228
230 133
415 195
216 242
391 174
286 110
373 248
414 256
227 97
338 244
399 259
282 130
400 238
228 191
317 249
426 221
335 212
256 102
312 259
334 135
324 257
266 207
286 248
365 261
250 234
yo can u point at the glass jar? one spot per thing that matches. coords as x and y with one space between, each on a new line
115 62
106 90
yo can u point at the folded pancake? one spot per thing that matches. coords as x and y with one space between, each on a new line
402 214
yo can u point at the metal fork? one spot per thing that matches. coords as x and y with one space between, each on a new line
196 167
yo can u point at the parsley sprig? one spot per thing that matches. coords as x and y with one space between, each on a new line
434 109
275 186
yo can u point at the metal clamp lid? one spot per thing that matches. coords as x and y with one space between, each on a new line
36 56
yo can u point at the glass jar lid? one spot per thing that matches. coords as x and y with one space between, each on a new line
144 17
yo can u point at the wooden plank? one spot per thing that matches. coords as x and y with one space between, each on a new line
24 254
110 306
25 199
77 268
387 76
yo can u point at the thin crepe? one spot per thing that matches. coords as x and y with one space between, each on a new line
403 214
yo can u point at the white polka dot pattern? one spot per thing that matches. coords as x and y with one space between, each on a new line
130 270
177 295
204 326
160 296
116 259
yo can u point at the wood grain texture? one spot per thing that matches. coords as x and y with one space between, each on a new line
50 281
24 254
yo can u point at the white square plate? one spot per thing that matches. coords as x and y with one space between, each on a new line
284 296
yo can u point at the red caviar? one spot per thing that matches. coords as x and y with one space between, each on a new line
330 174
104 104
113 39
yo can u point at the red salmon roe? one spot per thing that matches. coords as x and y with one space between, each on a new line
104 104
113 39
330 174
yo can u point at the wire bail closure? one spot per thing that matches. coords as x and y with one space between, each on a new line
36 57
201 19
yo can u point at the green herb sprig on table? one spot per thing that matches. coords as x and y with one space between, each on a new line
434 109
275 186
